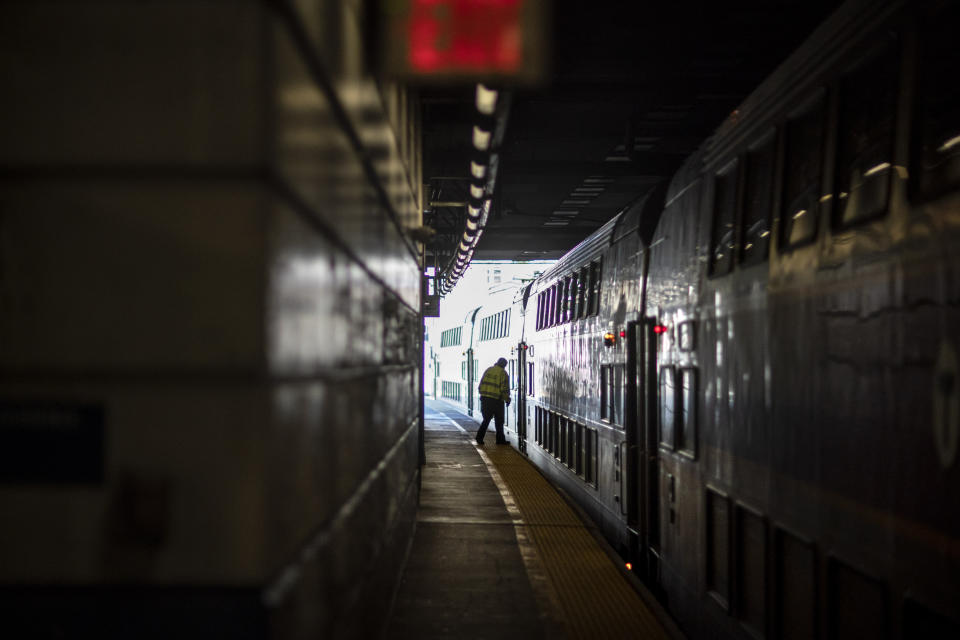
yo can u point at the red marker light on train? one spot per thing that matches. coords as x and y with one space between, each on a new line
623 334
659 328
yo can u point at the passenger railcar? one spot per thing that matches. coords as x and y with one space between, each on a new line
750 378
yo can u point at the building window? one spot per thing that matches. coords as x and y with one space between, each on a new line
450 337
495 326
450 390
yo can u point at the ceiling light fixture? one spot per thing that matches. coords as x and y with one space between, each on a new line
481 139
477 170
486 100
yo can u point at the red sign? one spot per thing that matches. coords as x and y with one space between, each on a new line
465 39
468 35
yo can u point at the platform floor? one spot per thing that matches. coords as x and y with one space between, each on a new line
499 554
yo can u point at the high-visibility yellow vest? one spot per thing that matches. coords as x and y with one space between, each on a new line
495 383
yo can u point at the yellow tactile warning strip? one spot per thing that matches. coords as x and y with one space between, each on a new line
595 600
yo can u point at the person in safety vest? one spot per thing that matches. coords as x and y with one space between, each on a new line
494 391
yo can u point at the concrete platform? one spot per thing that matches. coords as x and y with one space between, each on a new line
465 577
499 554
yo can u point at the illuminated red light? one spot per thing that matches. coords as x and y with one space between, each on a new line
450 35
629 567
659 328
623 334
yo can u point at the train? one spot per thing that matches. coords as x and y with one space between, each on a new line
749 377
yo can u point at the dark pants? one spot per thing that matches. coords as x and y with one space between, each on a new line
491 408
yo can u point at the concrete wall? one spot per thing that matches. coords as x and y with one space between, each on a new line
209 320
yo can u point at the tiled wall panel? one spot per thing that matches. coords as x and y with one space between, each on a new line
202 234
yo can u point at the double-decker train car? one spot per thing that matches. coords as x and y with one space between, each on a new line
749 379
467 348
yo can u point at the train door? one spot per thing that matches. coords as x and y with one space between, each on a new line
471 383
629 458
643 481
521 398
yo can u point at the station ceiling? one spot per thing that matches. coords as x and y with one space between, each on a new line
634 88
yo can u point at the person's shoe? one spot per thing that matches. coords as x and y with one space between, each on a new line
479 442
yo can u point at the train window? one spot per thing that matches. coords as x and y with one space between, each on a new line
568 286
795 587
594 303
605 393
572 298
856 603
802 160
718 547
751 569
590 456
554 429
668 406
611 393
938 113
561 301
922 622
724 214
562 451
868 105
687 433
530 379
553 305
758 201
578 451
558 303
688 337
617 417
582 293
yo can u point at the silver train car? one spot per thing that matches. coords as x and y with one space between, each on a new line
749 378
